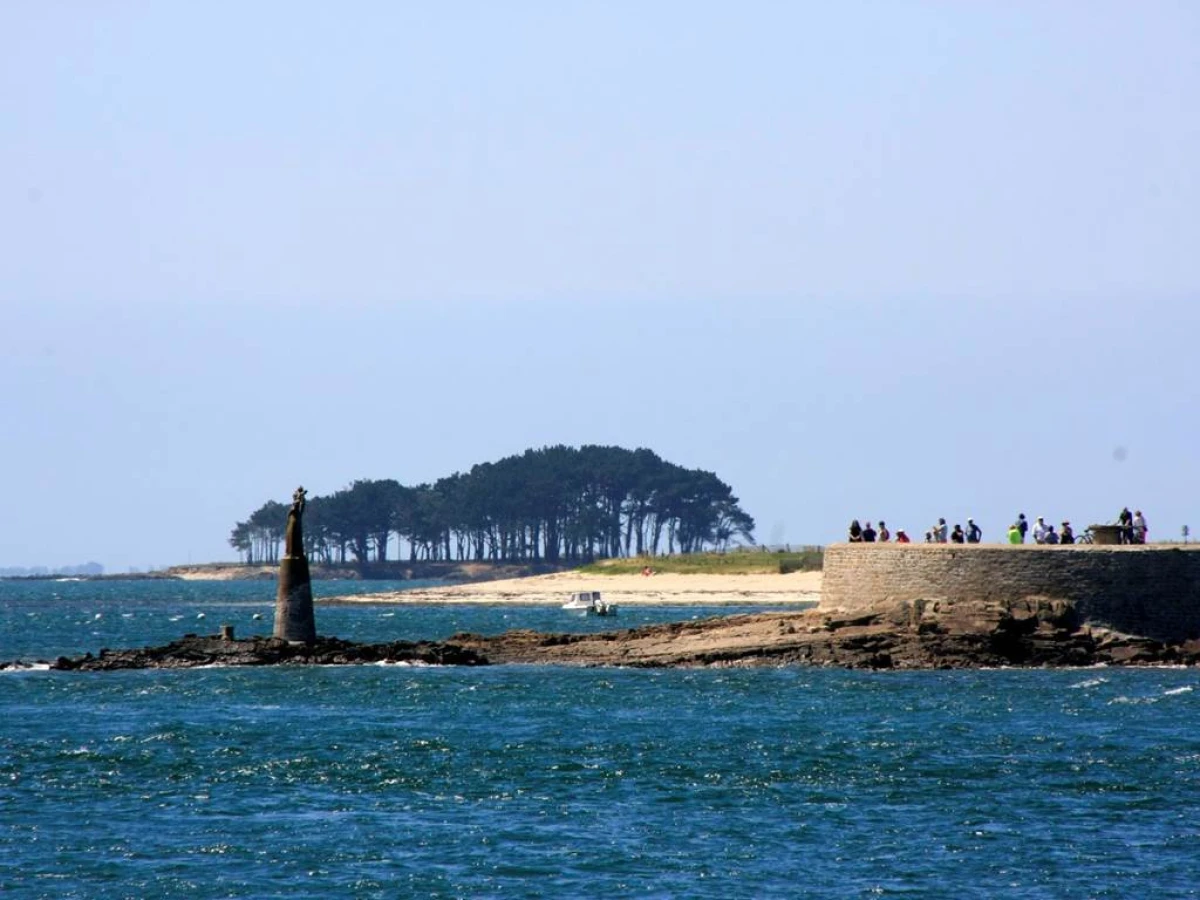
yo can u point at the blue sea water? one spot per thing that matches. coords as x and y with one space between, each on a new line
396 781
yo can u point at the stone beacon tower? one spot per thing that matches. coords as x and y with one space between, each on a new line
294 619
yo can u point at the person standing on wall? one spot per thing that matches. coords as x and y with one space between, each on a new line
868 534
1022 526
884 534
1039 530
1125 520
974 535
1139 528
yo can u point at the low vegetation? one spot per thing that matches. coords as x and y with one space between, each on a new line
748 561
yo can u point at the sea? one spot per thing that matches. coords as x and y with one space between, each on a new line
540 781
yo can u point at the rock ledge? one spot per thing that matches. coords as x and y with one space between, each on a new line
193 651
911 634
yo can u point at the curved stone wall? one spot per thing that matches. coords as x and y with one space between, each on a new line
1149 590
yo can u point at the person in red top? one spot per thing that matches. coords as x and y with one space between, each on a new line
901 537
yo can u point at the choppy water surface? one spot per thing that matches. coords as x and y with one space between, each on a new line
553 782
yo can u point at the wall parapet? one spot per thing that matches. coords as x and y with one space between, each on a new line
1151 590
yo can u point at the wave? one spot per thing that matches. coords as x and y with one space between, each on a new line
18 667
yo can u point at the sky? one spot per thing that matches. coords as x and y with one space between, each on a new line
867 260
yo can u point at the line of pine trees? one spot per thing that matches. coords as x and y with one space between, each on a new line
555 504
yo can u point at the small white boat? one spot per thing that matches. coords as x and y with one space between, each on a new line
588 603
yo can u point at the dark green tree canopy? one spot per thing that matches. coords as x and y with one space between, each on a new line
554 504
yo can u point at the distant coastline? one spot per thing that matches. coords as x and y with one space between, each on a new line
454 571
82 570
125 576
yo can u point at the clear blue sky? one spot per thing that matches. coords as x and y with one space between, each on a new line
861 259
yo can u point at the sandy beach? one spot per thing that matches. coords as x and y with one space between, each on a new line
628 590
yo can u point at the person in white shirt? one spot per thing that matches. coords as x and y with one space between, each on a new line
1139 528
1039 531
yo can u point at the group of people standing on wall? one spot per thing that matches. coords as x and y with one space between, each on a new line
1043 533
865 534
1133 531
1133 526
938 534
941 534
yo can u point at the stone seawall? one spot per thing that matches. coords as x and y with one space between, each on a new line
1151 590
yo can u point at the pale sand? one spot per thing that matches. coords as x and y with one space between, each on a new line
629 590
224 573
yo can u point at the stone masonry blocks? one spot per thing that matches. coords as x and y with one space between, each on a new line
1151 590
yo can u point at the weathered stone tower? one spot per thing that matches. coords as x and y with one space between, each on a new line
294 620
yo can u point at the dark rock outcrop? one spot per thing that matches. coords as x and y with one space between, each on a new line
192 651
905 635
936 634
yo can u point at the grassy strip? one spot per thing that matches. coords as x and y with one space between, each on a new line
734 562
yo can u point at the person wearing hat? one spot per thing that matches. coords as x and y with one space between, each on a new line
974 535
901 537
1066 536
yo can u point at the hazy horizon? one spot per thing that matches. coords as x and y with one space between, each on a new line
899 260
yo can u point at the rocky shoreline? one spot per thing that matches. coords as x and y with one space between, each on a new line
195 651
906 635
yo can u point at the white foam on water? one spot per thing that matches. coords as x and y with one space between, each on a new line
404 663
19 667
